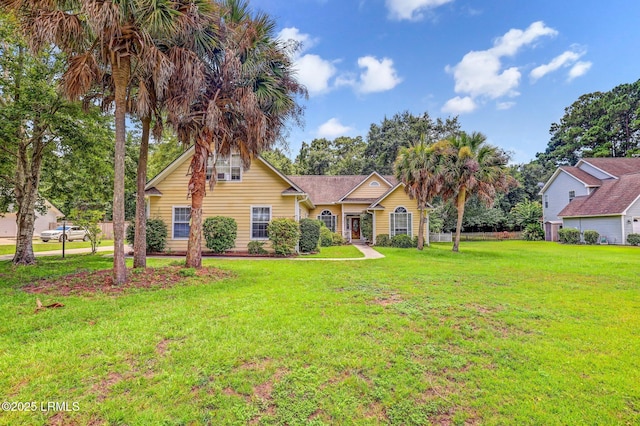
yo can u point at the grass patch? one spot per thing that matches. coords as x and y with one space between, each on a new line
51 246
337 252
500 333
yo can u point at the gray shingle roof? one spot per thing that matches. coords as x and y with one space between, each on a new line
612 198
615 166
330 189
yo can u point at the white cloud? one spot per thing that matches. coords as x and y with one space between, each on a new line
481 74
333 129
315 73
505 105
292 33
378 76
412 10
459 105
579 69
566 59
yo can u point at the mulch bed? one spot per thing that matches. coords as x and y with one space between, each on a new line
90 282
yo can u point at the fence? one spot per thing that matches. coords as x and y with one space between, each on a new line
441 237
444 237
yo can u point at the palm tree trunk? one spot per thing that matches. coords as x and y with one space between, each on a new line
121 74
197 185
460 201
421 230
140 239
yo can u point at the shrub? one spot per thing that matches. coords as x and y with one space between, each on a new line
156 235
591 237
633 239
220 233
336 239
383 240
284 235
326 237
366 226
569 236
90 221
309 235
533 232
414 241
256 247
401 241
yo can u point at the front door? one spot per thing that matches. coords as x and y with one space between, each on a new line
355 228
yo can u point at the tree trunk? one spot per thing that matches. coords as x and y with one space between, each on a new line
421 230
197 185
121 74
460 201
26 191
140 239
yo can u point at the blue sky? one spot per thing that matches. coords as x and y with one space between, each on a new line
507 68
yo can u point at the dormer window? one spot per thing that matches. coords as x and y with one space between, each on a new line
228 168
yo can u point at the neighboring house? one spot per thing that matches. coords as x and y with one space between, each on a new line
9 227
256 195
600 194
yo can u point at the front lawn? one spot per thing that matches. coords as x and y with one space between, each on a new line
336 252
501 333
51 246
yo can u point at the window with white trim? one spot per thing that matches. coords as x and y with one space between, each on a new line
572 195
181 222
260 218
228 168
374 183
328 219
400 222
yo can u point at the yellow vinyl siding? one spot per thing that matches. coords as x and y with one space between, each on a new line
259 186
367 191
396 199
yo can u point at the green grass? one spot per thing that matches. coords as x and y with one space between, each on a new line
501 333
50 246
337 252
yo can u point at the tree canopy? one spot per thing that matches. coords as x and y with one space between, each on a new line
599 124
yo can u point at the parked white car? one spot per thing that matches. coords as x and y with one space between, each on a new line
71 233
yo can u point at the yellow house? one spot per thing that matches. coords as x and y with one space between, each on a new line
253 196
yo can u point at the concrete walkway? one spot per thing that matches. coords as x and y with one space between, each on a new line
368 252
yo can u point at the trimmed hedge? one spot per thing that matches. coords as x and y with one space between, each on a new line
633 239
533 232
401 241
569 236
326 237
256 247
284 235
156 235
309 235
383 240
591 237
336 239
220 233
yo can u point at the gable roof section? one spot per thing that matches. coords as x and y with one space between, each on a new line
167 171
326 189
613 198
578 174
345 196
616 166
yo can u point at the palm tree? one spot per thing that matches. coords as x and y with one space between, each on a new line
247 94
416 168
106 41
469 166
